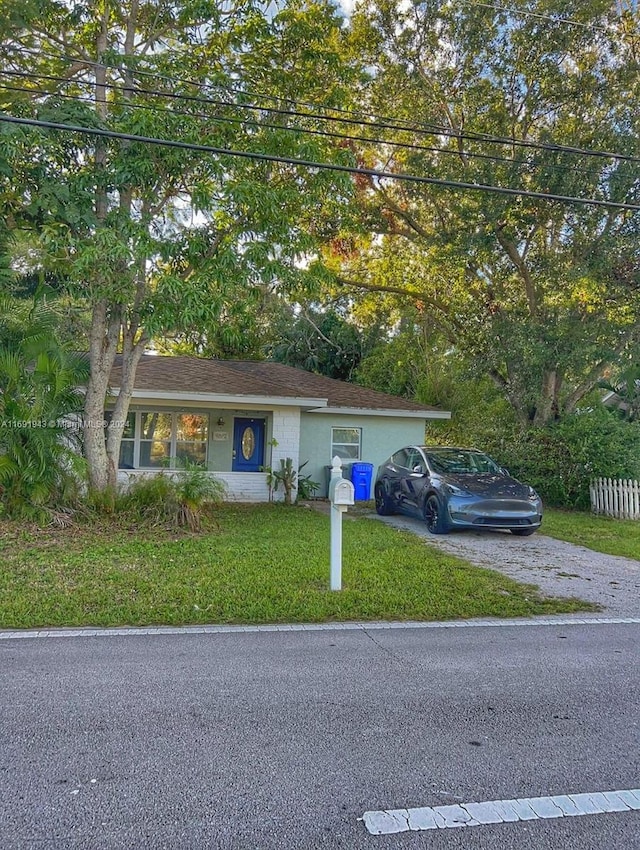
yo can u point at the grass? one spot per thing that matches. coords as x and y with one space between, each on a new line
602 534
259 564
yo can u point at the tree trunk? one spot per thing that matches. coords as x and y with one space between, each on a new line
103 336
109 325
130 359
547 404
103 345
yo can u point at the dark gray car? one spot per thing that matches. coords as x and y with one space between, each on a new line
455 488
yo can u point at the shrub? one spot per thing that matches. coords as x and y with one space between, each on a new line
177 499
196 490
290 479
560 460
306 485
40 464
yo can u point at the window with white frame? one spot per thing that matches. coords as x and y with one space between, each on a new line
127 445
192 430
160 439
346 443
155 439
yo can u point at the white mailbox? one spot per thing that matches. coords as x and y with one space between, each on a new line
341 492
341 495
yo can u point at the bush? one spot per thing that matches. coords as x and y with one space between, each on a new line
289 478
560 460
178 499
40 464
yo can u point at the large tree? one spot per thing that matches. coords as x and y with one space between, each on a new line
161 238
541 295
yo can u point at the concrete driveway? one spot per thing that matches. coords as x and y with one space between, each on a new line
557 567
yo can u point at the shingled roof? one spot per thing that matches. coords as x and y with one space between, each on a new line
240 378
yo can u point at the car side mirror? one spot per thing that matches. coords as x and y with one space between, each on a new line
418 469
504 470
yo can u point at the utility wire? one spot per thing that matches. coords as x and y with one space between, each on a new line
307 131
347 169
439 129
279 99
556 20
404 127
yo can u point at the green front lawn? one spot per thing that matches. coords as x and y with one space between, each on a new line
602 534
261 564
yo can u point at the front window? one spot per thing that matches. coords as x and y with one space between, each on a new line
154 440
127 445
191 438
346 443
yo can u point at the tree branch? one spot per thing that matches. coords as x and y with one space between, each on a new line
404 215
319 332
442 307
593 376
512 252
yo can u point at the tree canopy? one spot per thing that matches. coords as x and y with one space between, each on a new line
541 295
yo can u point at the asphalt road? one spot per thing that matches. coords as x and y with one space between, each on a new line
284 739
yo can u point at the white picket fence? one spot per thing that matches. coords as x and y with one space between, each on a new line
615 497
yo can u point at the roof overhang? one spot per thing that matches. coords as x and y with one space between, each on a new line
398 414
229 399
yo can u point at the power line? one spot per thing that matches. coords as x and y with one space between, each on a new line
347 169
539 16
379 124
307 131
438 129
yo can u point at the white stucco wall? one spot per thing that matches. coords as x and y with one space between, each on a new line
285 433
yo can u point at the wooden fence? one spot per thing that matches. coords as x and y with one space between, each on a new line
615 497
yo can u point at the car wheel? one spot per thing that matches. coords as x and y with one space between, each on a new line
523 532
383 505
434 516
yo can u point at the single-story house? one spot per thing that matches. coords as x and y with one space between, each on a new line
237 417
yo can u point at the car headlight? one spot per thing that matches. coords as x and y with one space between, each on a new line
533 496
455 491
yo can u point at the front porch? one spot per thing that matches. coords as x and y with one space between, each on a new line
235 445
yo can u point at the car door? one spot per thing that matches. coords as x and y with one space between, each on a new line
394 475
414 481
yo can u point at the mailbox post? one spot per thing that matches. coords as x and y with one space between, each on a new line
341 495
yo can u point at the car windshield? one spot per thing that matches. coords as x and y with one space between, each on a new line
460 461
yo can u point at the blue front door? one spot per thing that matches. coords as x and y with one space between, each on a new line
248 445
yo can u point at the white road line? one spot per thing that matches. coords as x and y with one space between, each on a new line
501 811
557 620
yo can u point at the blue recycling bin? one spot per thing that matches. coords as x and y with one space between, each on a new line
361 477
